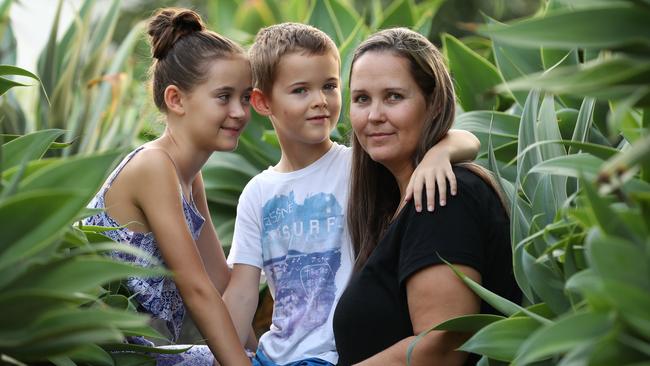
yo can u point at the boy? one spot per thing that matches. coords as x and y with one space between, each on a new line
291 217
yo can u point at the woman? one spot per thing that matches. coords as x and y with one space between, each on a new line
155 198
403 103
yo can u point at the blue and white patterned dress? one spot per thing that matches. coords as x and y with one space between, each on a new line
157 296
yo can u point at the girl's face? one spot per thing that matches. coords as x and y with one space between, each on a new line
388 109
218 109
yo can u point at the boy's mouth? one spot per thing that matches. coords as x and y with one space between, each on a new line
316 118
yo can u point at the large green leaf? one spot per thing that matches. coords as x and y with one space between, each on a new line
92 354
546 283
618 260
576 165
335 18
28 147
501 304
515 62
6 84
584 122
65 174
612 78
80 274
601 27
399 13
32 220
474 77
468 323
500 127
501 340
527 137
562 336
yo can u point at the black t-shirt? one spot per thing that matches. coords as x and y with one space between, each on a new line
472 230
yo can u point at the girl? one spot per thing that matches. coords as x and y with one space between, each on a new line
402 104
155 197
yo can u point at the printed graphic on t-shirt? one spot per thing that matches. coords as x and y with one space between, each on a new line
302 253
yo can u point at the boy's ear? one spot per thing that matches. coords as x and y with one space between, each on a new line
260 102
173 98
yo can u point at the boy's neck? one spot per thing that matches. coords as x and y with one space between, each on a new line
297 156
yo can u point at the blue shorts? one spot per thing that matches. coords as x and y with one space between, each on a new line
261 359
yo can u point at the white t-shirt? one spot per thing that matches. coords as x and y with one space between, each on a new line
293 226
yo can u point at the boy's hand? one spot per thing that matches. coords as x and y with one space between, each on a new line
434 169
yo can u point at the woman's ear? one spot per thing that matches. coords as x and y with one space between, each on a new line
173 98
260 102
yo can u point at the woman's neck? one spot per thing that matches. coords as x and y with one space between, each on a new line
402 173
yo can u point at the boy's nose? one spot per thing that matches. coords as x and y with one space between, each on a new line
320 99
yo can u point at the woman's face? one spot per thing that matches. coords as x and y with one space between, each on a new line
388 109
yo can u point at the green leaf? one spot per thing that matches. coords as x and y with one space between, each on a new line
501 340
399 13
499 126
32 220
602 27
617 259
584 122
66 174
563 335
546 283
92 354
6 84
576 165
526 137
515 62
80 274
605 217
632 304
501 304
335 18
28 147
474 77
468 323
612 78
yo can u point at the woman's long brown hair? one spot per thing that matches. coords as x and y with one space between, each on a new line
374 193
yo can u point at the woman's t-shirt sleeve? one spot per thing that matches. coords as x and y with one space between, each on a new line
452 232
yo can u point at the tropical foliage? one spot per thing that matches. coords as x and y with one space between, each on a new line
567 133
56 305
560 102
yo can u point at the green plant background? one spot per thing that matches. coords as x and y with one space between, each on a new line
557 91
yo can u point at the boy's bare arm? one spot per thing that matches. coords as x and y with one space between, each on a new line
435 167
241 298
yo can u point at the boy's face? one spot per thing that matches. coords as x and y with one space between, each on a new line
305 100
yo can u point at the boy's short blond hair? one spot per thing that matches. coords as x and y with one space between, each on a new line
271 43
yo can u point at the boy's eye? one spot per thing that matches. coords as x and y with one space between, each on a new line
360 99
246 99
330 86
300 90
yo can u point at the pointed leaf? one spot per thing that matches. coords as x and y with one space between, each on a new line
501 340
474 77
602 27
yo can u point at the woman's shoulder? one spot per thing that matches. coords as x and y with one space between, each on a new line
474 179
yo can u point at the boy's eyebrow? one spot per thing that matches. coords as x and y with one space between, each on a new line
229 89
297 83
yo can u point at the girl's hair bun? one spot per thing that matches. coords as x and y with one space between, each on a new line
168 25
